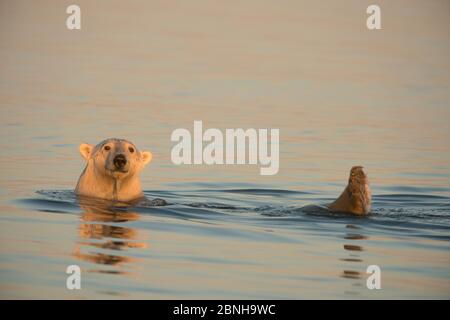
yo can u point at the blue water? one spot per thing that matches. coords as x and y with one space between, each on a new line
340 94
407 234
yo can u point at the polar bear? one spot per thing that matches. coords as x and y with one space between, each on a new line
112 170
356 197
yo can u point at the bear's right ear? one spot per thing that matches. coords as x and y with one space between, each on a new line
146 157
85 150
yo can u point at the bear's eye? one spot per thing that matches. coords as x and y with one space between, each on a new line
131 149
107 148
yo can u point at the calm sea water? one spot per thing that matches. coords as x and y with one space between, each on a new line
341 96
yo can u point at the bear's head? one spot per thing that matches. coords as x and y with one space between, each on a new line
117 158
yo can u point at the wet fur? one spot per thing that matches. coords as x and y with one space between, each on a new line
100 179
356 197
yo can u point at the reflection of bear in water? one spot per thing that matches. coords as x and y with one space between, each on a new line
112 170
96 216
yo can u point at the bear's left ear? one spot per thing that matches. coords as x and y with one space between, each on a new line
146 157
85 150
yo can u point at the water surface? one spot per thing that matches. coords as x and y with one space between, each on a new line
340 94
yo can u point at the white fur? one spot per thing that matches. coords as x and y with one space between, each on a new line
100 179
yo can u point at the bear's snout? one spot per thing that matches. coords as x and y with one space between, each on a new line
120 161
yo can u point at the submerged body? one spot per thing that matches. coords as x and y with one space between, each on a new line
113 167
112 170
356 197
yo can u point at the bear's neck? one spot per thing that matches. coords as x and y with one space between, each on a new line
101 186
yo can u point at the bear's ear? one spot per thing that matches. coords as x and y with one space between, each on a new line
85 150
146 157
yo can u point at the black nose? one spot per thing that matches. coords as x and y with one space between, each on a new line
120 161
